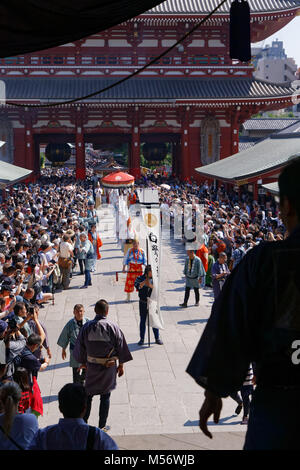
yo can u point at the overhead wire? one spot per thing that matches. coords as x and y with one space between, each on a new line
124 79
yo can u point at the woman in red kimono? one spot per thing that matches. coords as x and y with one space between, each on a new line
135 259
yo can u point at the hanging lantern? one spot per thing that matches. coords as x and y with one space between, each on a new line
155 153
240 35
58 154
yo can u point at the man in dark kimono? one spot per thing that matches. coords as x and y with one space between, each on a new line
98 341
256 318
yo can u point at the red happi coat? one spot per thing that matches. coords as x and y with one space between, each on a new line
98 244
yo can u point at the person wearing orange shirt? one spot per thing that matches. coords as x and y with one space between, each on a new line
202 253
131 198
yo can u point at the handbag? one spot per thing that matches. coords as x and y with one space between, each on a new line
64 263
89 255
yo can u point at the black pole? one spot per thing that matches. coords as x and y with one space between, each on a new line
148 316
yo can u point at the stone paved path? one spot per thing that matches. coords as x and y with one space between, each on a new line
155 396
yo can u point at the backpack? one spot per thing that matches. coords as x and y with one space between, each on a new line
56 274
34 260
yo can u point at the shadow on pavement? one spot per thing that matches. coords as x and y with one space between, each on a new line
58 366
191 322
50 399
170 308
135 347
176 289
111 249
108 273
208 294
222 422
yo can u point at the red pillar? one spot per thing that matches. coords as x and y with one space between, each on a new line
225 144
195 152
185 163
31 160
80 149
174 158
255 191
135 153
19 147
235 133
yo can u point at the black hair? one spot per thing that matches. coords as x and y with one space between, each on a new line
147 269
18 307
33 339
22 379
101 307
288 183
72 399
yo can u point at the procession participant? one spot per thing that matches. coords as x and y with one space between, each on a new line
144 285
100 344
194 272
68 336
131 198
135 258
98 194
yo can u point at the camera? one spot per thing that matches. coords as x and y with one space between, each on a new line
2 247
31 311
12 323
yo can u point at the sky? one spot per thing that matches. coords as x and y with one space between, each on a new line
290 37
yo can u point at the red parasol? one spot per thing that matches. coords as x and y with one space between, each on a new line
118 179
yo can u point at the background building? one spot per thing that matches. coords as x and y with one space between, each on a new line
272 64
194 99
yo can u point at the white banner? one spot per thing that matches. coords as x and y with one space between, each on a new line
123 216
151 220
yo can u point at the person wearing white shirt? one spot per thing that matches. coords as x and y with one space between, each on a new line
65 261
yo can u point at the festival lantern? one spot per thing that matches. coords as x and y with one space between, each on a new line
58 154
117 180
155 153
